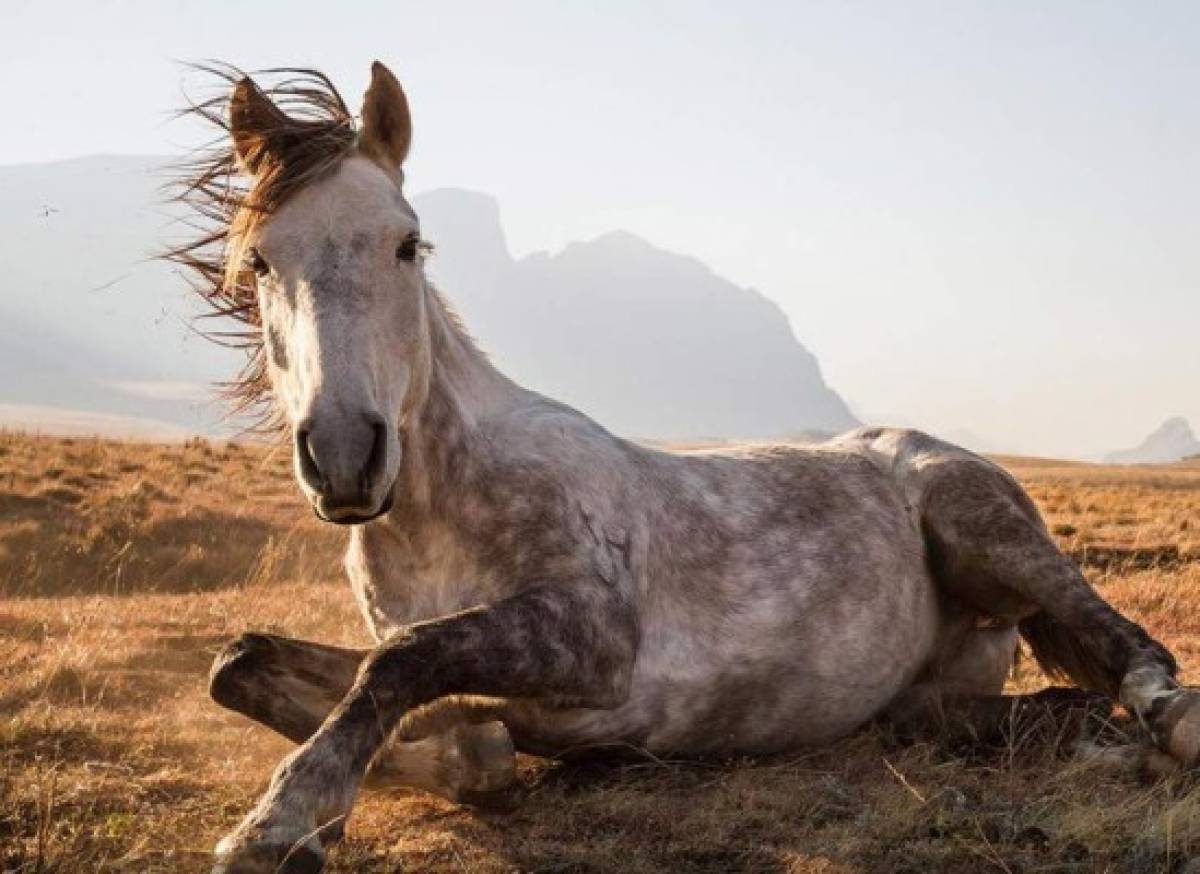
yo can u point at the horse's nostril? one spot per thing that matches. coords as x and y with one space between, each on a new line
376 460
309 471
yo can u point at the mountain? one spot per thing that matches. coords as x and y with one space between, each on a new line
1172 441
651 343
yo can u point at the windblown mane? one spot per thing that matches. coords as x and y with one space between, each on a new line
226 206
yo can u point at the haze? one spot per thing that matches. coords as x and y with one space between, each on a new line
980 217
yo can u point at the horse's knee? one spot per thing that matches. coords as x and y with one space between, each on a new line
288 685
235 666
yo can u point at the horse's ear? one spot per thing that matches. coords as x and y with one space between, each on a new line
253 118
386 123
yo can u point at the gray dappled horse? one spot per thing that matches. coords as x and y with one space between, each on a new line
536 582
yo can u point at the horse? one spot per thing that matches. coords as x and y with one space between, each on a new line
536 583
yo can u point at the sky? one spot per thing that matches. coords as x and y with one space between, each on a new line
981 217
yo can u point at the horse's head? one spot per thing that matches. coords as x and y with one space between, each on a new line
336 254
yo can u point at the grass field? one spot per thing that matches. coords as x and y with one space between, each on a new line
124 567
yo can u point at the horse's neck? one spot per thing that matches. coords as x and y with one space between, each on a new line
463 388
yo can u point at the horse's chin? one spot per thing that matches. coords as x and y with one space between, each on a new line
349 516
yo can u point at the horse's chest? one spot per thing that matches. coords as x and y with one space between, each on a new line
483 552
400 581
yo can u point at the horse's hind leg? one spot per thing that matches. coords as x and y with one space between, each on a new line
1058 719
989 549
958 702
292 685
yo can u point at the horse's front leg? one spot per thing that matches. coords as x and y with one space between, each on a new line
572 644
292 686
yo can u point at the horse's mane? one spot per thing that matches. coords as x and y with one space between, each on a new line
225 207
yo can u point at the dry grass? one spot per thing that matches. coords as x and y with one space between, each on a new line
124 567
95 516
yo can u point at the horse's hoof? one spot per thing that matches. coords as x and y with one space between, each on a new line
249 853
270 859
480 768
506 799
1178 729
488 757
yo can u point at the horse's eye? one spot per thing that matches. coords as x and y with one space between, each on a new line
258 264
407 251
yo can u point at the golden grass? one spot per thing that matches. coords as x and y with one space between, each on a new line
123 567
96 516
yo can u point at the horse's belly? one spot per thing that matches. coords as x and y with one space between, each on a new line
763 683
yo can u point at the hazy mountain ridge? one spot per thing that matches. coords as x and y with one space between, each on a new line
1172 441
652 343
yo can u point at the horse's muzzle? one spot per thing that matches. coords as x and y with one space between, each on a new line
350 514
346 465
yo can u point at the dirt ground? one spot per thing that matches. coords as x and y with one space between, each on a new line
124 567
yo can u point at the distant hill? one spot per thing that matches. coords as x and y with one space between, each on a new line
652 343
1172 441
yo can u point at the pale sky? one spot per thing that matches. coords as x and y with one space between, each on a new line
979 216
